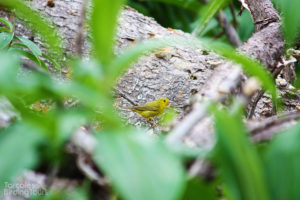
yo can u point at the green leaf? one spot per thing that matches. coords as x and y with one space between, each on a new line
30 45
291 15
282 162
17 44
5 39
103 25
238 161
246 26
168 117
33 48
87 95
68 122
7 23
30 56
212 8
17 151
55 64
8 71
140 167
2 29
192 5
198 189
39 24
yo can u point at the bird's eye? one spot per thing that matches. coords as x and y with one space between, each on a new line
164 100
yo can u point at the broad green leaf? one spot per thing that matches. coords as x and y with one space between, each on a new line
38 24
8 71
282 163
88 73
212 8
30 45
238 160
291 15
68 122
103 25
7 23
30 56
197 189
140 167
17 151
86 95
246 26
5 39
211 27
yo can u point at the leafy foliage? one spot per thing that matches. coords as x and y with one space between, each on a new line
194 15
291 25
213 7
281 163
138 154
103 21
199 188
241 166
26 48
176 14
5 38
39 24
138 166
16 159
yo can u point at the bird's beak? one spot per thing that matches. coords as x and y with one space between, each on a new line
169 106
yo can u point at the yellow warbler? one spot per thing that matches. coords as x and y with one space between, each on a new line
151 109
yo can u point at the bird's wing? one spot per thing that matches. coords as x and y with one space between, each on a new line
147 107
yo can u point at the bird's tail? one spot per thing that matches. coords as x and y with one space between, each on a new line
129 108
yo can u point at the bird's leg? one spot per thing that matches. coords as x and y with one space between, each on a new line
153 122
150 120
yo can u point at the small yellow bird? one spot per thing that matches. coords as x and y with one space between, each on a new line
151 109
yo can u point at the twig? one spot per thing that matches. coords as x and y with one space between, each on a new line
220 34
241 10
90 172
52 174
253 104
273 121
230 31
121 94
235 22
267 127
201 168
196 168
80 34
82 145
